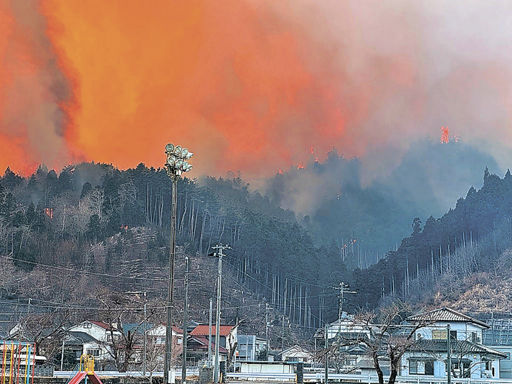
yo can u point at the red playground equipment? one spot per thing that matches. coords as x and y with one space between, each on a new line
86 371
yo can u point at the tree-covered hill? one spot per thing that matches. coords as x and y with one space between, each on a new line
469 238
62 219
365 208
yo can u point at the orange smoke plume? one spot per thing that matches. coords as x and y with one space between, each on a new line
241 83
232 81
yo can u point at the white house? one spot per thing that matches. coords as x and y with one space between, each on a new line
156 334
469 357
296 354
346 328
98 340
352 356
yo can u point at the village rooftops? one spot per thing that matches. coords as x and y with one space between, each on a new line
446 315
203 330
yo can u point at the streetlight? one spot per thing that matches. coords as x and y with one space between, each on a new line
220 253
175 165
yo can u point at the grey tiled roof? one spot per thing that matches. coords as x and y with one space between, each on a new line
446 315
78 337
457 347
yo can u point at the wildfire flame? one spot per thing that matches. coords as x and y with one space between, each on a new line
49 212
445 135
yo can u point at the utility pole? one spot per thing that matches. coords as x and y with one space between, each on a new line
220 254
210 334
62 356
176 164
185 326
326 378
282 337
266 329
448 355
144 356
343 289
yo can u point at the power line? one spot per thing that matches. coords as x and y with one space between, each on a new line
62 268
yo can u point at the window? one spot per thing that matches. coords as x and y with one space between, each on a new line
488 365
87 325
439 334
429 368
465 367
453 335
421 367
413 367
95 352
462 369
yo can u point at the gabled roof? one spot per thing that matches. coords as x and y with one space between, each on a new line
78 337
295 348
203 330
137 327
100 324
458 347
446 315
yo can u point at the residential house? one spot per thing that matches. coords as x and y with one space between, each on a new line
75 345
156 345
347 327
156 335
97 339
250 347
351 356
499 337
469 357
197 344
296 354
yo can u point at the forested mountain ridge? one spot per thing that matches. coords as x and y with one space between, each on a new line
468 239
112 222
95 217
367 208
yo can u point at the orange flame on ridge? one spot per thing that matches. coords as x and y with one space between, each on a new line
445 135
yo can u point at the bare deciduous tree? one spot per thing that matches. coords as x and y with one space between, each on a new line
385 338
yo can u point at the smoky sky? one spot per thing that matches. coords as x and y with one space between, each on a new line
252 86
